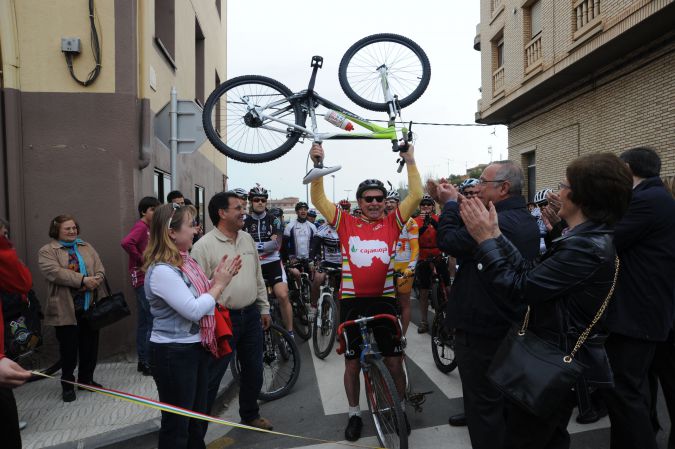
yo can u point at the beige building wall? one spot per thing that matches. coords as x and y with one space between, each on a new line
598 82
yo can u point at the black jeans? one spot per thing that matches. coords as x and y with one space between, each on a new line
75 342
629 402
181 373
663 372
527 431
483 402
247 341
9 420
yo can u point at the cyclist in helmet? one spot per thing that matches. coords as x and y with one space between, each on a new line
540 201
357 212
268 235
469 187
427 221
242 195
405 259
311 216
368 244
298 239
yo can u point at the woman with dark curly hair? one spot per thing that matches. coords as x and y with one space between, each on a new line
565 287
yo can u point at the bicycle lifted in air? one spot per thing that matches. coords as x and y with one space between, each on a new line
257 119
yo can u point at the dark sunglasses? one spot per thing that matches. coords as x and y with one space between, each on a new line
258 200
370 199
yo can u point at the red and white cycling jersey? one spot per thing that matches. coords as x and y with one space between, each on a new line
368 250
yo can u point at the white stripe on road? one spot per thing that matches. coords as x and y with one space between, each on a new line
329 376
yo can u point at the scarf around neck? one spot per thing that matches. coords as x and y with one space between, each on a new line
207 324
72 249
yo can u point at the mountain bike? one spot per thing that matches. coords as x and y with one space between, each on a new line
299 293
281 357
327 316
257 119
383 399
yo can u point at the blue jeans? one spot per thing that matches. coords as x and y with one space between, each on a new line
247 340
144 326
181 374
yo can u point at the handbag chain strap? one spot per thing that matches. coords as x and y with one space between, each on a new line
584 335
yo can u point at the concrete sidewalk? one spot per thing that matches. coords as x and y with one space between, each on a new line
93 420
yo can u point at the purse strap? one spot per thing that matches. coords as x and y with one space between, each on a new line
584 335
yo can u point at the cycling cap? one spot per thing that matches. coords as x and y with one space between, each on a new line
300 205
471 182
311 213
370 184
427 199
345 204
540 196
257 191
241 193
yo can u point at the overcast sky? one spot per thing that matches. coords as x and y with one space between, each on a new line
278 39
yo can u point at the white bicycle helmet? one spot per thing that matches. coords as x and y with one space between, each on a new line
471 182
241 193
540 196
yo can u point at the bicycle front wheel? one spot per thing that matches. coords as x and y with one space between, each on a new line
407 68
302 324
323 333
385 406
233 125
442 345
280 372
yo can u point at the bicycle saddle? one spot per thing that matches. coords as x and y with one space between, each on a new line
317 173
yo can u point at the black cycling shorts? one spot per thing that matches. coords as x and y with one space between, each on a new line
423 273
384 331
273 273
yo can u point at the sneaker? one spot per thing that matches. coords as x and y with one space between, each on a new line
68 395
423 328
260 423
353 430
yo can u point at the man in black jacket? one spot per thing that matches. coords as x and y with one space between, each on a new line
642 311
480 322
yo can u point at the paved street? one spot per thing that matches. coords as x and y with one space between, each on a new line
315 408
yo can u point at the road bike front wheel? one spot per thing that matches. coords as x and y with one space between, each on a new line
407 68
385 406
238 132
302 323
443 345
323 333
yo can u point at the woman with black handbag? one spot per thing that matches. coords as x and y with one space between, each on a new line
561 340
74 273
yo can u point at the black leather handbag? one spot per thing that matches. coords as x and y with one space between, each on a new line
107 310
534 373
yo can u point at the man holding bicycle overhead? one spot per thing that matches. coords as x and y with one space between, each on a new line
368 246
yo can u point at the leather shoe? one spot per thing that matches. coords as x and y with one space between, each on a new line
260 423
68 395
353 430
457 420
91 382
592 416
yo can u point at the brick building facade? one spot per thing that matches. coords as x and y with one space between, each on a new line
578 76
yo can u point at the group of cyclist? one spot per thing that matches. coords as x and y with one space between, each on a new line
382 251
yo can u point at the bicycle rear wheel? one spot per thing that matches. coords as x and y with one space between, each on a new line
323 336
385 406
237 133
408 70
442 345
43 358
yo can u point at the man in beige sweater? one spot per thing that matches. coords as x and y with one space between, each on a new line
245 297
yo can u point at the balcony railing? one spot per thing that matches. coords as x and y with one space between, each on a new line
497 81
533 51
585 11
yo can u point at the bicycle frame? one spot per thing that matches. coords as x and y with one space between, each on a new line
327 289
310 100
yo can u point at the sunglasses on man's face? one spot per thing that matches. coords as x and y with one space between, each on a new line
370 199
259 200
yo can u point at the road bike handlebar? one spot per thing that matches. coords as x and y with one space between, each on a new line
380 316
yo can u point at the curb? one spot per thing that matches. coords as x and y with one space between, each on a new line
227 390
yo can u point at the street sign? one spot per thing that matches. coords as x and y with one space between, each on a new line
190 129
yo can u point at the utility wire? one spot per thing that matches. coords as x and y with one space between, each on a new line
96 50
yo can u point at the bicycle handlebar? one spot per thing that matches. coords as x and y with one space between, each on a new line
380 316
